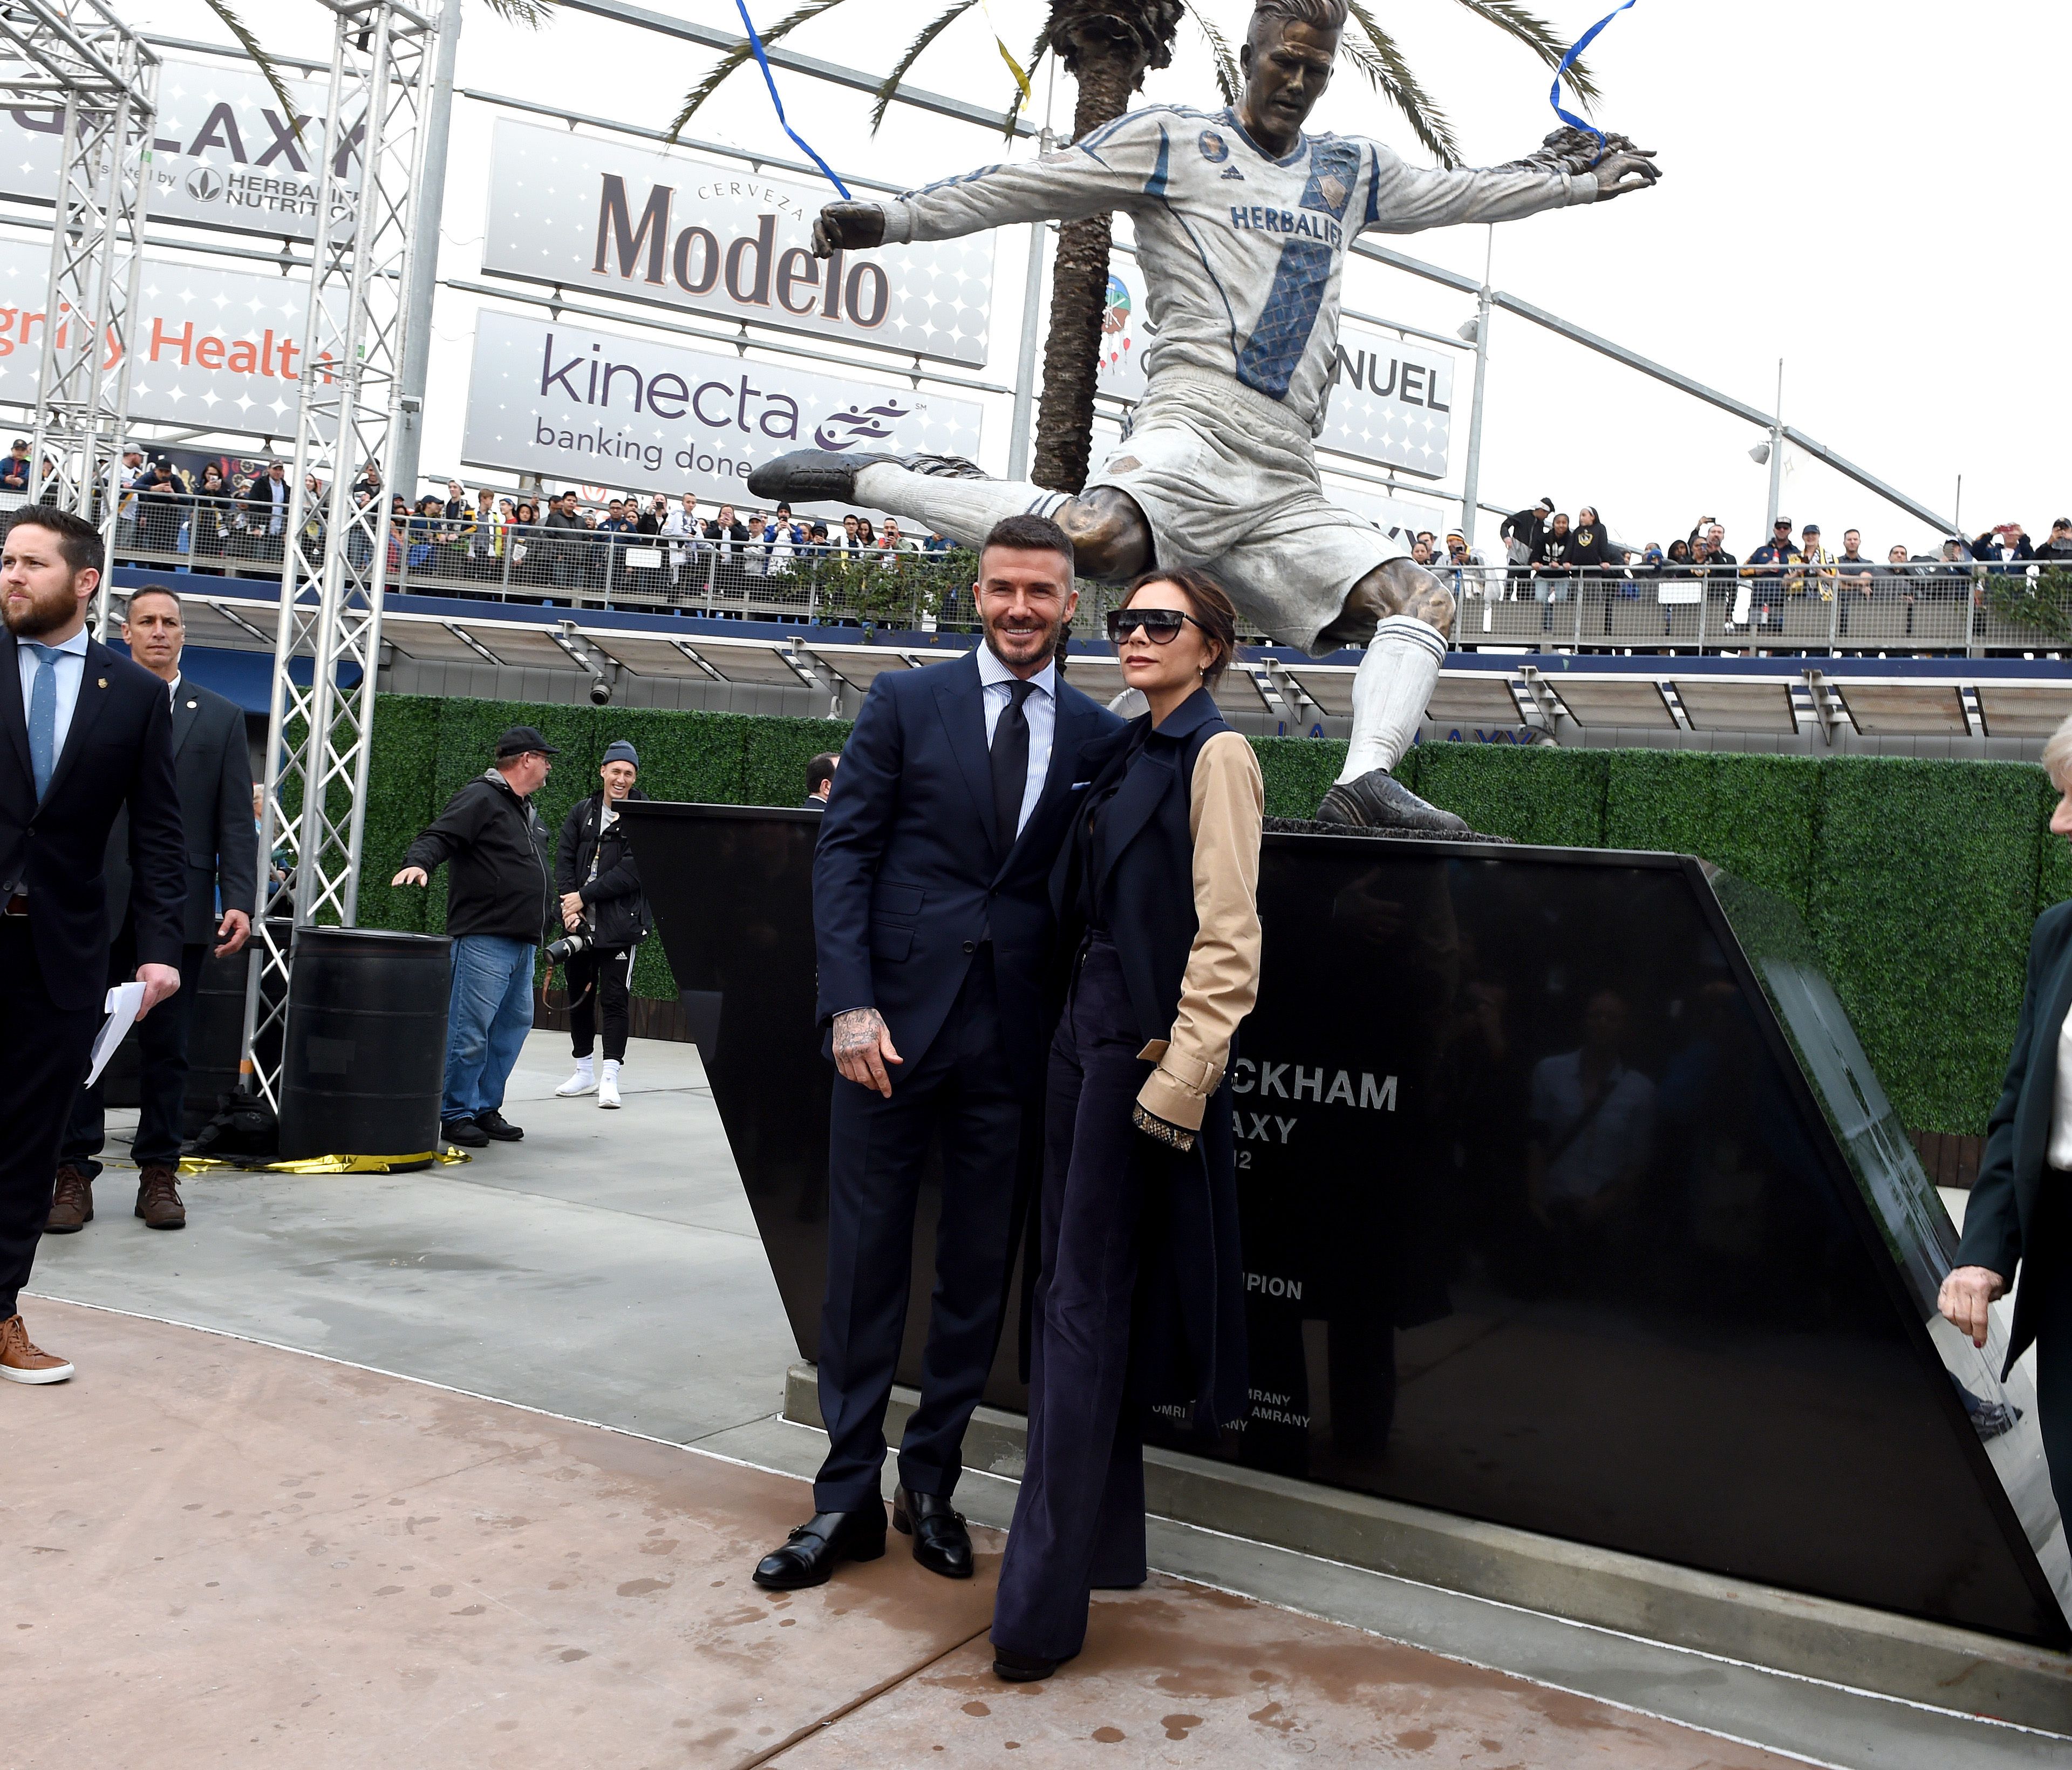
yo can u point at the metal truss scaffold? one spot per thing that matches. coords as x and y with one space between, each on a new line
76 59
335 543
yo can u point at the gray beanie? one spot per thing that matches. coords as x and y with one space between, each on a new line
618 750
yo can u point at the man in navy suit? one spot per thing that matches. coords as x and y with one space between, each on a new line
933 925
83 733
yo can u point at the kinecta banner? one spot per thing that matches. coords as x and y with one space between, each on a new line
225 154
592 408
222 348
1392 406
583 213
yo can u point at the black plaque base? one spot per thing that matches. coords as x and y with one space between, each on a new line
1569 1203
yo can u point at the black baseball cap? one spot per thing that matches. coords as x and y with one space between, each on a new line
520 740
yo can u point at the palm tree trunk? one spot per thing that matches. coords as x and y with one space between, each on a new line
1110 68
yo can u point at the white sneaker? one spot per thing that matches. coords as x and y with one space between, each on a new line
583 1081
607 1089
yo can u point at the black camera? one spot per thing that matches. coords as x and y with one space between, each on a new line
561 951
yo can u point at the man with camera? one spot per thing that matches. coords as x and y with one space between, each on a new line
606 919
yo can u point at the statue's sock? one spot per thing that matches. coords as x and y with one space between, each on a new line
965 510
1391 690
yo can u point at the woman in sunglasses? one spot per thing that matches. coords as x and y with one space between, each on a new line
1139 1298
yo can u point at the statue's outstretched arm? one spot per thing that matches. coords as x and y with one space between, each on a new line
1111 169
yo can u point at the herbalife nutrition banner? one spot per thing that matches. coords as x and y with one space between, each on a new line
582 213
225 154
593 408
220 349
1393 405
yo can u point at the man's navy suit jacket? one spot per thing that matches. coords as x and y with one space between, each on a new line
908 877
2005 1209
117 751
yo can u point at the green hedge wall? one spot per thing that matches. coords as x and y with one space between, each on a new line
1917 881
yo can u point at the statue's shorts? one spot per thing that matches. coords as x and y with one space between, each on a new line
1228 482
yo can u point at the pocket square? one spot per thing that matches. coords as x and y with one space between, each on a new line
1081 786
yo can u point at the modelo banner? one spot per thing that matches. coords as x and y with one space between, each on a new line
579 212
1392 406
225 154
218 349
582 407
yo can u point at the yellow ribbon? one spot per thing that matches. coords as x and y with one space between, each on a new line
1013 66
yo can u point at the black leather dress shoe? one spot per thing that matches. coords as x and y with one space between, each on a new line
811 1552
1013 1668
941 1543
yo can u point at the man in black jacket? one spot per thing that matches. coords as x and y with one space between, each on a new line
1521 534
213 766
498 899
600 899
83 732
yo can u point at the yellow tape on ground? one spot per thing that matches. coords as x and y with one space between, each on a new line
331 1164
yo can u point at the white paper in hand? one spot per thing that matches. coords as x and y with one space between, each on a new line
124 1000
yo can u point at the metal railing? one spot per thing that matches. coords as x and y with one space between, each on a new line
1921 606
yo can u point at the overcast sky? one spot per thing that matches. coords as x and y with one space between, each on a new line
1866 191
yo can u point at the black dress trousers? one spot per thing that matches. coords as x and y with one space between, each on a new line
162 1071
2052 1278
43 1051
962 1095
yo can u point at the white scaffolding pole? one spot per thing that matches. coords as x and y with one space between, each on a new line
336 548
79 60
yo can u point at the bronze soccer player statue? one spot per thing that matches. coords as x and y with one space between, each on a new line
1241 223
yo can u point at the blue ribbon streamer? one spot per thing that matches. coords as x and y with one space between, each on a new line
805 147
1554 92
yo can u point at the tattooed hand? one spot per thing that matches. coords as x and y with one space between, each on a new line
863 1048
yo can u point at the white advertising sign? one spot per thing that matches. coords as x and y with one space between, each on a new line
583 407
222 348
1392 405
224 154
583 213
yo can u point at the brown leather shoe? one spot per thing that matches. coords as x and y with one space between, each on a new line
21 1362
72 1203
158 1198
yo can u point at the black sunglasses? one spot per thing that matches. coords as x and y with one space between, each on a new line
1160 625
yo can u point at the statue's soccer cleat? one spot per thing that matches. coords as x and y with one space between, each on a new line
1377 801
823 476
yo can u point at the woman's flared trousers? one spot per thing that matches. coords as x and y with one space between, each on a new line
1079 1524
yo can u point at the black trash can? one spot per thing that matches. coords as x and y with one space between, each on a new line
366 1044
216 1037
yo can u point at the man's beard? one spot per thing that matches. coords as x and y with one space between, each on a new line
42 615
994 636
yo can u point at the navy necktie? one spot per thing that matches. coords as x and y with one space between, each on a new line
1010 764
43 717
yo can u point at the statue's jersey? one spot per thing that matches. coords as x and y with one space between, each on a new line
1243 256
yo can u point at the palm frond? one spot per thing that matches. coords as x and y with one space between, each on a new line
1035 57
261 59
1534 31
929 32
1230 79
1382 61
534 13
735 57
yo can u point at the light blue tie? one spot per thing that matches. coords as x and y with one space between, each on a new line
43 717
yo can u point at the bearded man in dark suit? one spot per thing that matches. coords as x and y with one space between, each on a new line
84 733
